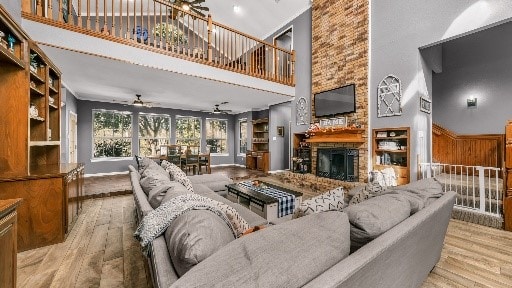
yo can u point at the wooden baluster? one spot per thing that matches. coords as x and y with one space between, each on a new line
60 11
80 13
210 31
154 23
88 20
168 38
71 19
97 18
188 34
293 68
121 18
134 20
141 22
161 45
39 8
50 9
127 33
113 20
104 30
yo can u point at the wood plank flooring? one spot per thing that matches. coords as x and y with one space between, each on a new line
101 252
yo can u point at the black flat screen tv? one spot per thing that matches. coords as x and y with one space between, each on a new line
341 100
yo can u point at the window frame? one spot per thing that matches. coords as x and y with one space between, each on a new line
200 129
240 121
121 158
226 140
139 134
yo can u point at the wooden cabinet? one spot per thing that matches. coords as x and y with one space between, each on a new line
52 201
8 242
391 148
259 157
301 160
507 203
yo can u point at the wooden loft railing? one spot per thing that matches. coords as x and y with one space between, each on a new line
159 26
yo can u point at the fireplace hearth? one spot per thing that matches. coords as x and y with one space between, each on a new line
338 163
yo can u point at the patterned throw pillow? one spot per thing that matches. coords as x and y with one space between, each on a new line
329 201
370 190
178 175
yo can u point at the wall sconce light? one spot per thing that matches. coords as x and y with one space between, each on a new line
472 102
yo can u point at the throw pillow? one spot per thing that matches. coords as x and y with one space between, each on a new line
194 236
152 176
334 200
371 218
178 175
369 190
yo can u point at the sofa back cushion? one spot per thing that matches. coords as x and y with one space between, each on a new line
178 175
194 236
153 176
285 255
371 218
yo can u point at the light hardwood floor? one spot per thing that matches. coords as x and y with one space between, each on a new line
100 251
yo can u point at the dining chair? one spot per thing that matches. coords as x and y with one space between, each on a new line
174 154
192 158
204 161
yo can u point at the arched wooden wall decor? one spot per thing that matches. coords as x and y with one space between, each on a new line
389 97
302 111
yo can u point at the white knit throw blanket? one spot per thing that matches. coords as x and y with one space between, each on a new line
156 222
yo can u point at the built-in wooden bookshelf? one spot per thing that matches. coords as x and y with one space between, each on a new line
391 148
259 157
30 150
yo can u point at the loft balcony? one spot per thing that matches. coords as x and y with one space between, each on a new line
159 27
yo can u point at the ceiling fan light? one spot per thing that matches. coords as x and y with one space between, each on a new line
185 6
138 103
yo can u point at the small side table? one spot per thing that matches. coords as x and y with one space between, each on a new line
8 242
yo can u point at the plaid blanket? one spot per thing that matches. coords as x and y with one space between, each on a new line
286 201
156 222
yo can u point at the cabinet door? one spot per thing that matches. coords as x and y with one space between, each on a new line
260 163
71 190
8 251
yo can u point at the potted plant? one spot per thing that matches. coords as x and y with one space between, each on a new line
170 34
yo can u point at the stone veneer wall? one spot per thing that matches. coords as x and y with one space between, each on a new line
340 57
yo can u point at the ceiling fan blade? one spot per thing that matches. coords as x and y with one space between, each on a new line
201 8
197 1
197 12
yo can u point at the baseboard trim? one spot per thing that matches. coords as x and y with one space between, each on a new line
278 171
108 194
106 174
227 165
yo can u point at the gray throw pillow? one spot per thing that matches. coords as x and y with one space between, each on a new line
369 190
178 175
194 236
371 218
153 176
420 193
175 190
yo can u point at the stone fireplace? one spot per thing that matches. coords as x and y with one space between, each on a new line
338 163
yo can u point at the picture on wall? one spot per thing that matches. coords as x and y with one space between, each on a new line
280 131
425 105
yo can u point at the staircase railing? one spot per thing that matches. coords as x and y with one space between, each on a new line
161 26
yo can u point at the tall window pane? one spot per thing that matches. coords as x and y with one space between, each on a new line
216 135
112 133
154 130
243 136
188 130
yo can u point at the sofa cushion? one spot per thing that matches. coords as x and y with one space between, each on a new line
420 193
178 175
286 255
164 193
333 200
367 191
370 218
153 176
194 236
216 182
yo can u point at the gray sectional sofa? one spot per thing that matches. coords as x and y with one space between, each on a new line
312 251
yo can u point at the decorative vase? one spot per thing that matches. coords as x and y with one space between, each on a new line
2 41
11 40
33 110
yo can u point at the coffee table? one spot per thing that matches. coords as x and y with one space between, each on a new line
257 199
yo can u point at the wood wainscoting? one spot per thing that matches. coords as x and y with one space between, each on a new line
469 150
507 204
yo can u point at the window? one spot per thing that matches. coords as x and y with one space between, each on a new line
216 135
188 130
243 136
112 133
154 130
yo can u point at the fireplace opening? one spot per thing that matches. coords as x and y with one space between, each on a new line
338 163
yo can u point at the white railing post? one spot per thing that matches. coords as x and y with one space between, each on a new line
481 184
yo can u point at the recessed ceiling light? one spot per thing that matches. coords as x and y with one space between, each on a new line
236 8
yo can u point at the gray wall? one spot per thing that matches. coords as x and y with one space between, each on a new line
85 134
302 46
279 146
70 106
394 50
13 7
478 65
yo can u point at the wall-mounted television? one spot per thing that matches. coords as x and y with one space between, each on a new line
340 100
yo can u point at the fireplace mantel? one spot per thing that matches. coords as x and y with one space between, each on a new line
349 135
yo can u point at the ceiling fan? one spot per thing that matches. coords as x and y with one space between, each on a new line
137 102
217 110
194 6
